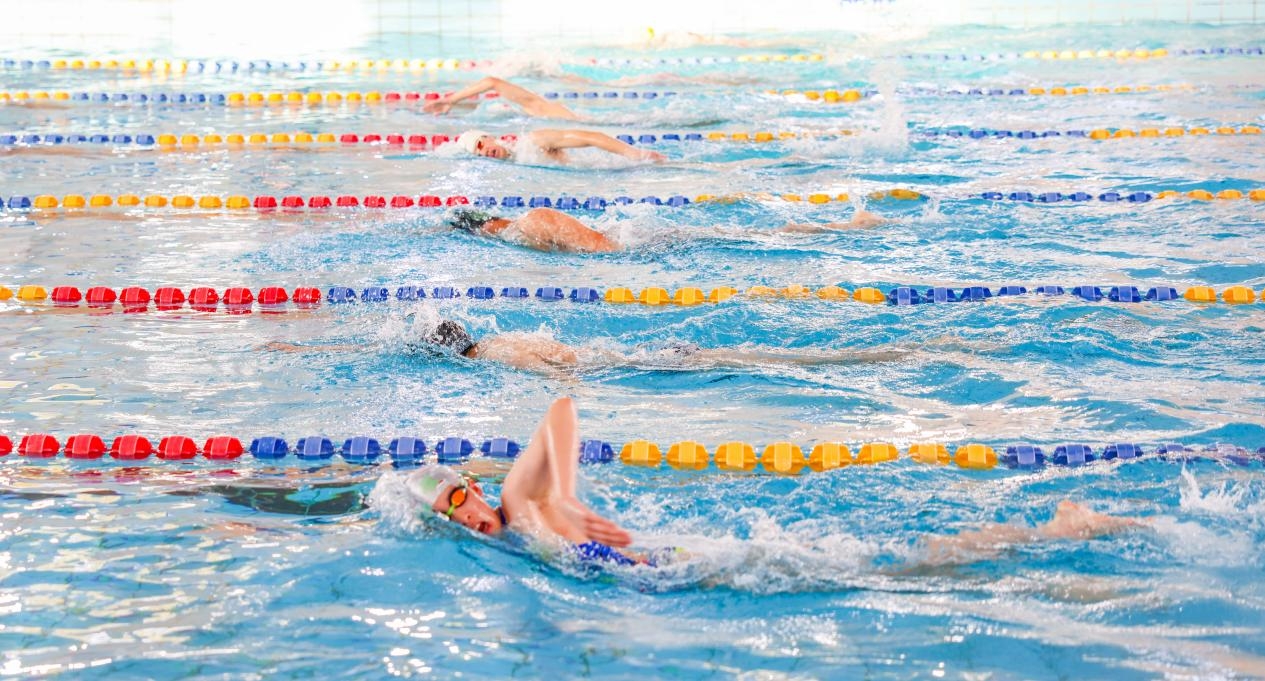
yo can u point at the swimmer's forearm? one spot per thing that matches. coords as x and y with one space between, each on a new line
575 139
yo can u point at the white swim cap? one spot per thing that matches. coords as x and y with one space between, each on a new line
430 483
469 140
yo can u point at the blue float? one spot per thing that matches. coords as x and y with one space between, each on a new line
1090 293
269 448
341 294
361 449
444 292
550 293
1048 290
1023 456
514 292
1012 290
903 295
1124 294
314 448
975 294
481 292
410 293
596 451
585 295
407 450
1073 455
595 203
1162 293
1122 451
375 294
500 448
453 450
540 202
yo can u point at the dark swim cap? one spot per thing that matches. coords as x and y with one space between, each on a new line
470 220
450 334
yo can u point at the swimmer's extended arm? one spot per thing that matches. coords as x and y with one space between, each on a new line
861 220
551 140
1071 521
544 475
741 358
531 102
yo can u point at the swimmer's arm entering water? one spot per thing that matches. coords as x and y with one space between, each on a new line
551 230
539 492
531 103
554 140
860 220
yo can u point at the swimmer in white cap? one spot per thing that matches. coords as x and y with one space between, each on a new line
550 142
538 496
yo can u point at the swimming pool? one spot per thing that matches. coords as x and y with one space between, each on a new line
256 568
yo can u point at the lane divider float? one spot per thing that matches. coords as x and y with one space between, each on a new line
276 298
847 96
783 457
1094 134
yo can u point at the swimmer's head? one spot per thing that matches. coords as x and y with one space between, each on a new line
470 220
451 335
452 495
480 143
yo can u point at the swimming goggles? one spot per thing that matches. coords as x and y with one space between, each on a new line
460 494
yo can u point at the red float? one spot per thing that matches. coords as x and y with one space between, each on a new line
318 202
177 448
369 139
347 202
272 295
84 447
238 296
457 201
437 140
349 139
399 202
39 446
131 448
429 201
222 448
292 202
66 294
375 202
100 295
306 295
6 445
392 97
168 298
134 295
417 140
395 139
265 202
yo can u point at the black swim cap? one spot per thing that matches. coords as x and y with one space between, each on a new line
470 220
450 334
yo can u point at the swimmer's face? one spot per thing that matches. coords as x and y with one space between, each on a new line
475 513
490 148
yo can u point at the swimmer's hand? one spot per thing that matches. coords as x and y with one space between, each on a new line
647 155
439 107
595 526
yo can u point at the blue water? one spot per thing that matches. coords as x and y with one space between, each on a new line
161 570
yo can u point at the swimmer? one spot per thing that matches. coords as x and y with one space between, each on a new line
538 495
534 352
550 142
543 229
546 229
538 499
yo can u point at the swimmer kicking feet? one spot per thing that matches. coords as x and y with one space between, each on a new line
549 142
533 352
546 229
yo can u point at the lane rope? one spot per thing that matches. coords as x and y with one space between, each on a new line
293 98
275 298
239 141
781 457
74 203
397 64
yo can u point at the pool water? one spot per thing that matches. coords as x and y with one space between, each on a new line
254 569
